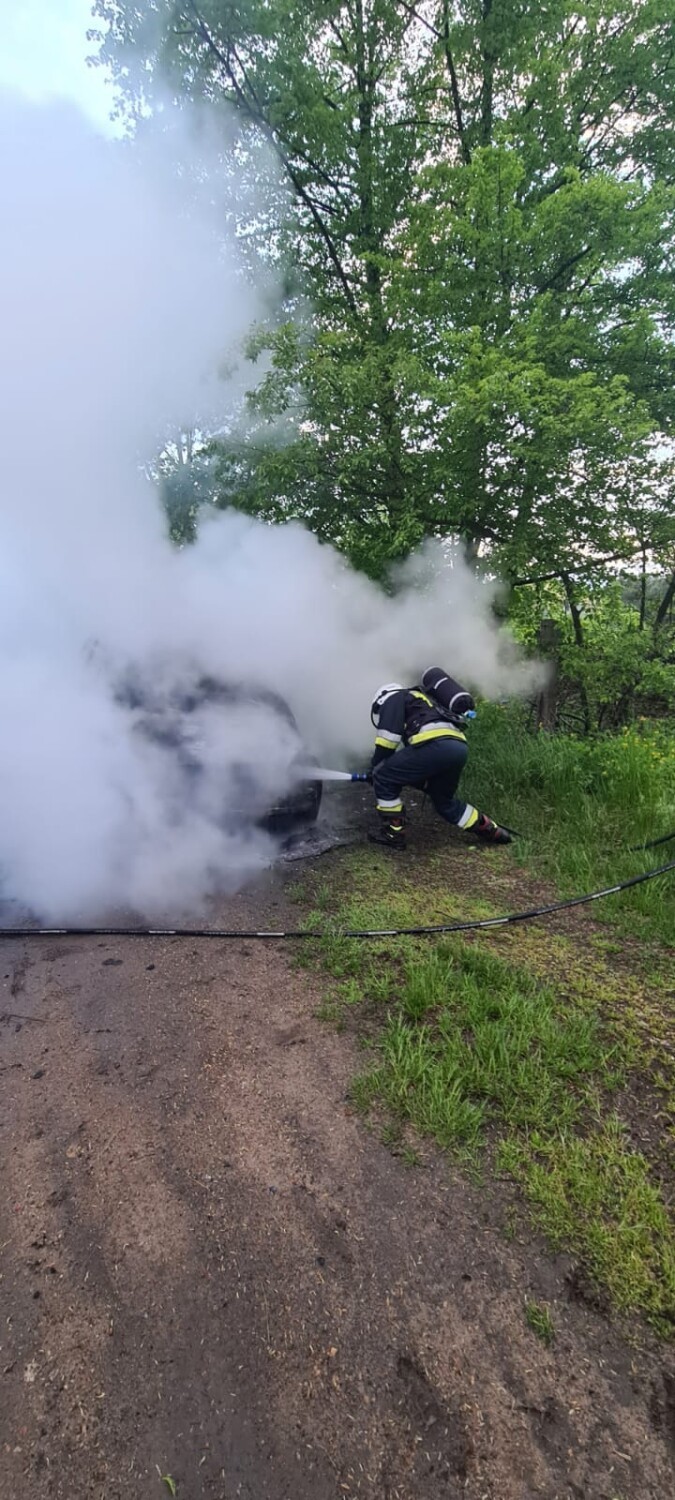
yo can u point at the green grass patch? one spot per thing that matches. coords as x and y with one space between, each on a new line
472 1039
580 804
539 1319
595 1195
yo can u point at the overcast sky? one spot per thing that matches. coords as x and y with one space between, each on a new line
43 50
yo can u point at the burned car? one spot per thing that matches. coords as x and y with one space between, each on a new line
232 751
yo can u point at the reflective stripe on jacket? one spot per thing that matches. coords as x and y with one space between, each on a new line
410 717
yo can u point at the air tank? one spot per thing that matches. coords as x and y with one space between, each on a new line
453 698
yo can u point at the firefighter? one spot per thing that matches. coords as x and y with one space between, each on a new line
420 742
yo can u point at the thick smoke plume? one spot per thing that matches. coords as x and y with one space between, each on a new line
121 300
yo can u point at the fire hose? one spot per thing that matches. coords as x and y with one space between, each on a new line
318 935
313 935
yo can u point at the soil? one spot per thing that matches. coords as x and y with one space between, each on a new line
212 1270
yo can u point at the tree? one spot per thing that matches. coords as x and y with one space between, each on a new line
483 223
536 389
184 475
334 90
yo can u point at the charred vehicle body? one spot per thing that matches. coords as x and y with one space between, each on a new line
232 752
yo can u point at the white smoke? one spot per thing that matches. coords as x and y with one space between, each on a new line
120 298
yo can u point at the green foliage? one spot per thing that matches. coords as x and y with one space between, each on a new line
184 492
617 667
523 397
616 663
482 223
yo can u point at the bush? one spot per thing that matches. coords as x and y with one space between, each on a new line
623 667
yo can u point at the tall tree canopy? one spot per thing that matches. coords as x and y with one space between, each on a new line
482 224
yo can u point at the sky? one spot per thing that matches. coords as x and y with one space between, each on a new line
43 51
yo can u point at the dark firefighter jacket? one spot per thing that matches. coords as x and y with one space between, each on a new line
411 717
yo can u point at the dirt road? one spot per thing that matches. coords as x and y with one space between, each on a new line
212 1270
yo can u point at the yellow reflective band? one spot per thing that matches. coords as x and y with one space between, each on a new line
423 698
388 742
390 807
472 818
436 734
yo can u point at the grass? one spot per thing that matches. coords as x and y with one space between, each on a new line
473 1039
594 1195
580 804
539 1319
521 1050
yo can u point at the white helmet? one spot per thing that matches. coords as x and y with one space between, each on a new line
381 697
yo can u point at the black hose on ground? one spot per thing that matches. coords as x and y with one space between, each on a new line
225 935
666 838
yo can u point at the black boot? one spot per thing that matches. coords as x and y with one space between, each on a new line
489 832
391 833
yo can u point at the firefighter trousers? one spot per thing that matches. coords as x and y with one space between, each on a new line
434 767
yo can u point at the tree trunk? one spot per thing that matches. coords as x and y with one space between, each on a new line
643 589
665 604
579 639
487 83
548 641
370 246
464 147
